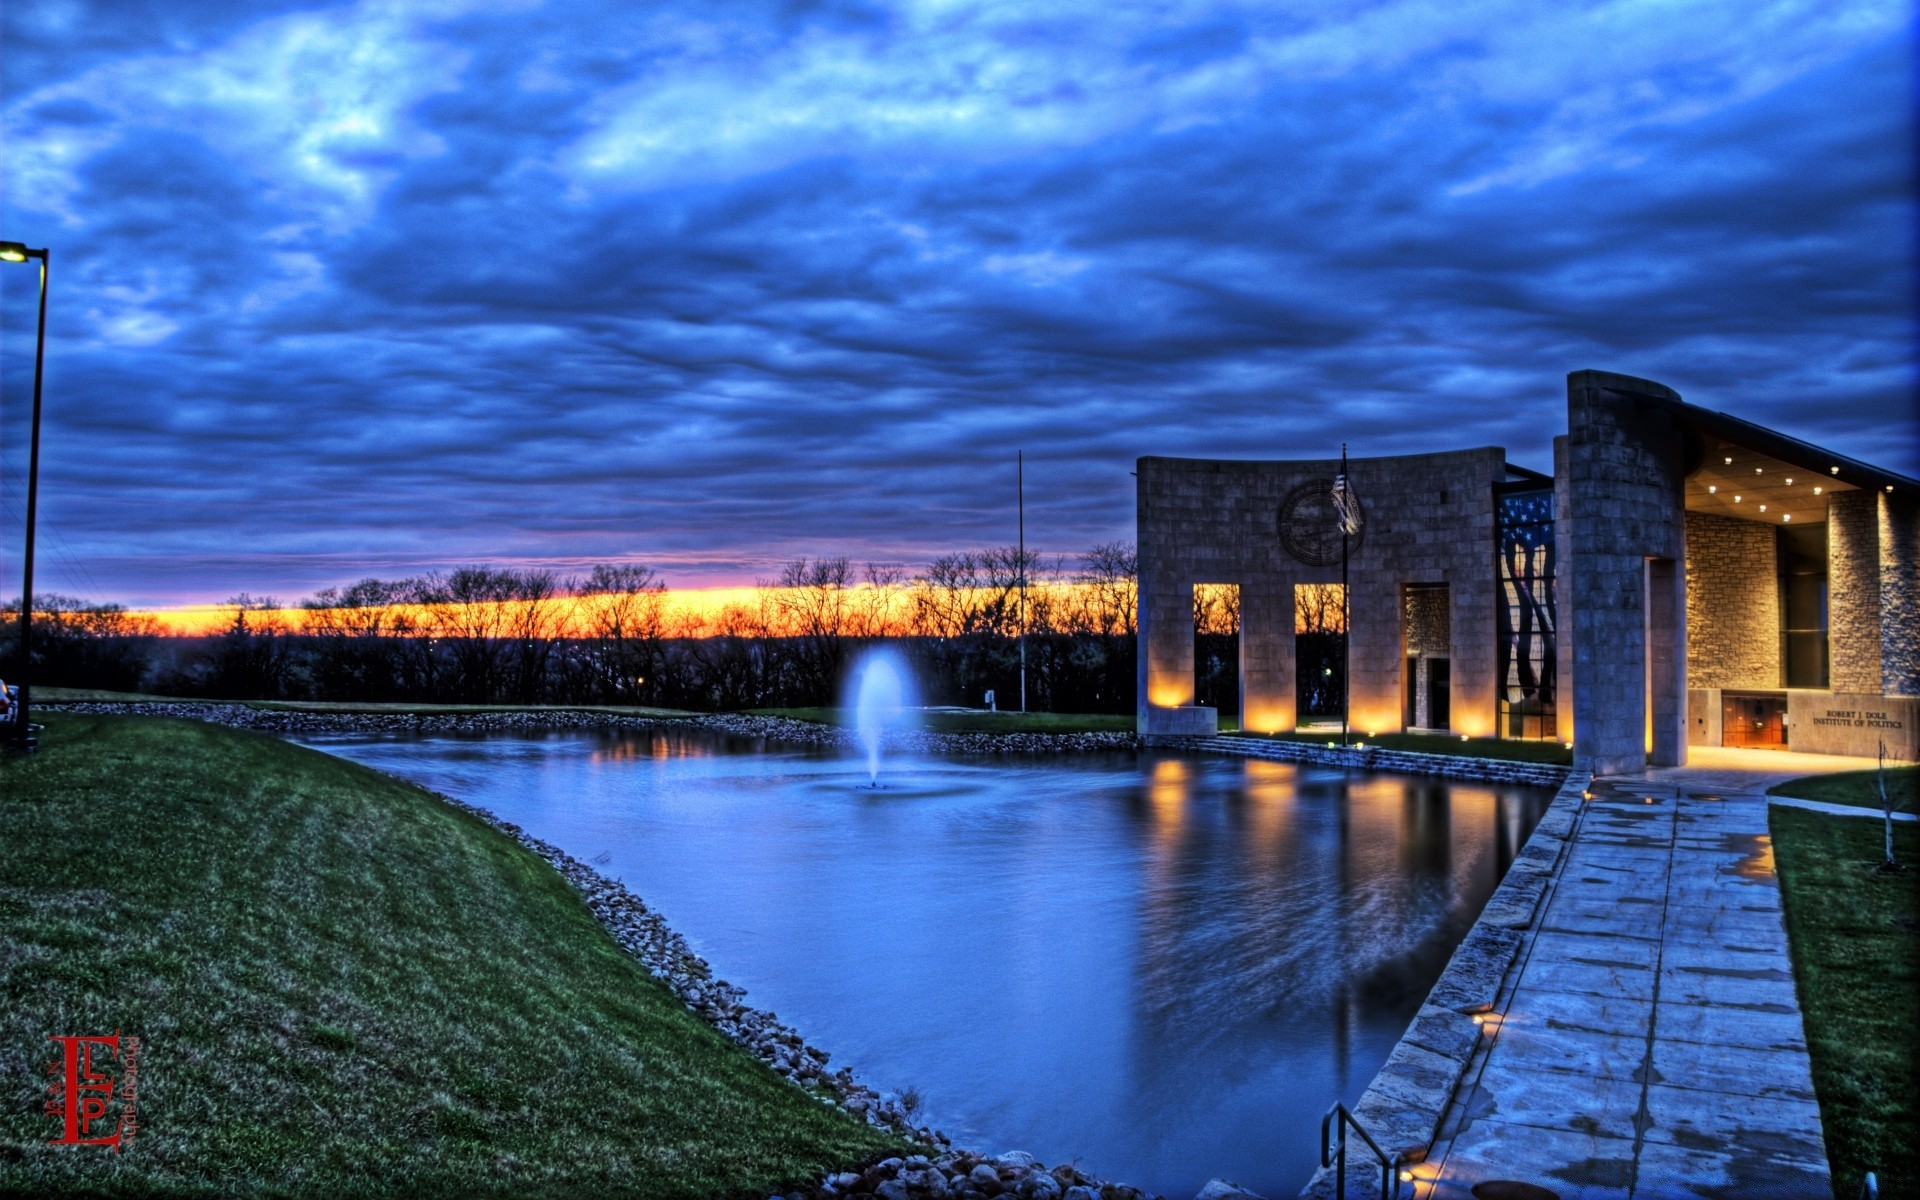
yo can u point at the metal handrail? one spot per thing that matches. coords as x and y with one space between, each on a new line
1333 1152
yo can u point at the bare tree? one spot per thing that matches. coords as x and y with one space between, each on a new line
627 623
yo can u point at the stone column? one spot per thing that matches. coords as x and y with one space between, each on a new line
1562 592
1854 657
1666 661
1376 655
1267 695
1899 595
1627 505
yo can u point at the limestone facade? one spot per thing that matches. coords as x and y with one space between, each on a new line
1667 588
1218 522
1733 603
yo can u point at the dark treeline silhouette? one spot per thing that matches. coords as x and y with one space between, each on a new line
485 635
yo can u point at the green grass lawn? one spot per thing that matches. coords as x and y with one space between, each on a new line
1856 958
66 695
58 695
1856 787
346 987
407 707
976 722
1434 743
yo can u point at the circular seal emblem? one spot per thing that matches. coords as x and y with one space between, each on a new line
1310 525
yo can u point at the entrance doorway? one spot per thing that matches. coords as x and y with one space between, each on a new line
1216 649
1755 721
1439 693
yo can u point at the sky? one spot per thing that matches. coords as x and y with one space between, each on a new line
385 287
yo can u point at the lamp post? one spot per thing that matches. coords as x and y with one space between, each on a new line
22 729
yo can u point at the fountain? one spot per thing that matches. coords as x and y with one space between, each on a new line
881 688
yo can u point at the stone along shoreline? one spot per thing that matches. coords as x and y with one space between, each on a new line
942 1172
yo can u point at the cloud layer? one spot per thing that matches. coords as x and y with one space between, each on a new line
382 286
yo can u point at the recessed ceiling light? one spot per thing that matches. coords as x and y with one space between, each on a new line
1729 462
1763 508
1712 488
1818 490
1789 481
1756 470
1736 499
1786 516
1835 470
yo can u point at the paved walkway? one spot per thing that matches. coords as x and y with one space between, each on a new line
1647 1041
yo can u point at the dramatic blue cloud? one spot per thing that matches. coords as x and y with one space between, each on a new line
396 284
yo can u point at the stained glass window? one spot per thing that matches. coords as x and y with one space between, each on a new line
1528 622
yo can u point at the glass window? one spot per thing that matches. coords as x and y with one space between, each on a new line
1528 622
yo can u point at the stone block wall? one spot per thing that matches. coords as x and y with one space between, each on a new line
1733 603
1853 591
1625 479
1429 519
1899 595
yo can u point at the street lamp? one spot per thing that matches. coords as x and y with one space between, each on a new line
23 730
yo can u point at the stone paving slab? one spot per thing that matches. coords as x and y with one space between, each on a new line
1646 1041
1679 1172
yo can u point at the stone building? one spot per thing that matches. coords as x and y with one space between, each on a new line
1682 578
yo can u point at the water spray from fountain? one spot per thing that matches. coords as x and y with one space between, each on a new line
882 702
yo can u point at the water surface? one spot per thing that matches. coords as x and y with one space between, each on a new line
1161 967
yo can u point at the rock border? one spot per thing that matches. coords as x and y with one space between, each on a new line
1402 1108
785 730
951 1174
1373 758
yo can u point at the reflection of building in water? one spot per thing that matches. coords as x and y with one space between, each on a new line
1682 577
1332 901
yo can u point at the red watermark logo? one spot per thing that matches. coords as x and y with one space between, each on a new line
93 1089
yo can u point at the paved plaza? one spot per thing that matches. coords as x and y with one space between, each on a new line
1647 1041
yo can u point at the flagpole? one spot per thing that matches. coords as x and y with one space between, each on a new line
1020 488
1346 612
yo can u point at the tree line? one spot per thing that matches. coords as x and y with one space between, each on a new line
494 635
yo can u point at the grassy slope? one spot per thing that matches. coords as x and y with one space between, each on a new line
1431 743
347 987
404 706
1856 957
60 695
1855 787
977 722
45 694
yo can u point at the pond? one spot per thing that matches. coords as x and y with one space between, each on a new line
1161 967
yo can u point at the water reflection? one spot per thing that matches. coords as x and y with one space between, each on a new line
1161 967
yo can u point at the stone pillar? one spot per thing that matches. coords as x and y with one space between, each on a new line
1853 592
1899 595
1563 591
1164 608
1376 655
1627 503
1267 695
1666 661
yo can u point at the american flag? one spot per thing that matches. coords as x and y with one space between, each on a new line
1347 504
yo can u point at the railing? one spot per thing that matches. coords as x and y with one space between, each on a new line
1333 1153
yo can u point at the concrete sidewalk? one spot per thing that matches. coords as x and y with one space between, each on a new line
1647 1041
